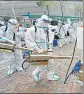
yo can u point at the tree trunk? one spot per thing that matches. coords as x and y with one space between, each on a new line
78 17
48 9
61 5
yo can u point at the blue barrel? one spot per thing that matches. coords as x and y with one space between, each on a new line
55 43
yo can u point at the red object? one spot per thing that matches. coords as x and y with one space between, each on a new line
25 30
82 26
47 31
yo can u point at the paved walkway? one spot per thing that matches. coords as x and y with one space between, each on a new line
23 82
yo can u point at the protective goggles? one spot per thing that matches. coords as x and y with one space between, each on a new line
46 21
12 23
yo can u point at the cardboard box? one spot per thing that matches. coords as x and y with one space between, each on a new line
80 75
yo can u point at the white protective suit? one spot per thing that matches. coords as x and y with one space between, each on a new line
63 32
15 58
59 32
70 29
1 53
38 41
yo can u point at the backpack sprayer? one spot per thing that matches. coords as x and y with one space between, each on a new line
75 69
32 57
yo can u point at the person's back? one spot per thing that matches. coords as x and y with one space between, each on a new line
35 37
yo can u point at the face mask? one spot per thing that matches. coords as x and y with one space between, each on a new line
45 28
14 28
43 24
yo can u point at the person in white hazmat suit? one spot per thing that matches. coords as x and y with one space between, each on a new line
1 53
59 33
69 31
65 33
38 41
11 35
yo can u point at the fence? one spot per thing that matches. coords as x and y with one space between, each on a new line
64 18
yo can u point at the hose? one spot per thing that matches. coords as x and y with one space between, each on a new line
70 62
23 65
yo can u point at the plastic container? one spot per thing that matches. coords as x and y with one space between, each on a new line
80 75
80 37
77 67
55 43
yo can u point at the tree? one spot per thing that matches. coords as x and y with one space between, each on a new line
79 11
62 12
46 4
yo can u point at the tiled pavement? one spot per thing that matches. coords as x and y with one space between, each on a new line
22 82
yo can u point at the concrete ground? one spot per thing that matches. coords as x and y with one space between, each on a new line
23 82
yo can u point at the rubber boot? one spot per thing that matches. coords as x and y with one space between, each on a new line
52 76
36 74
11 70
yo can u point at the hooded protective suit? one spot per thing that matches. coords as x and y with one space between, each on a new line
15 58
59 33
64 31
38 40
1 53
